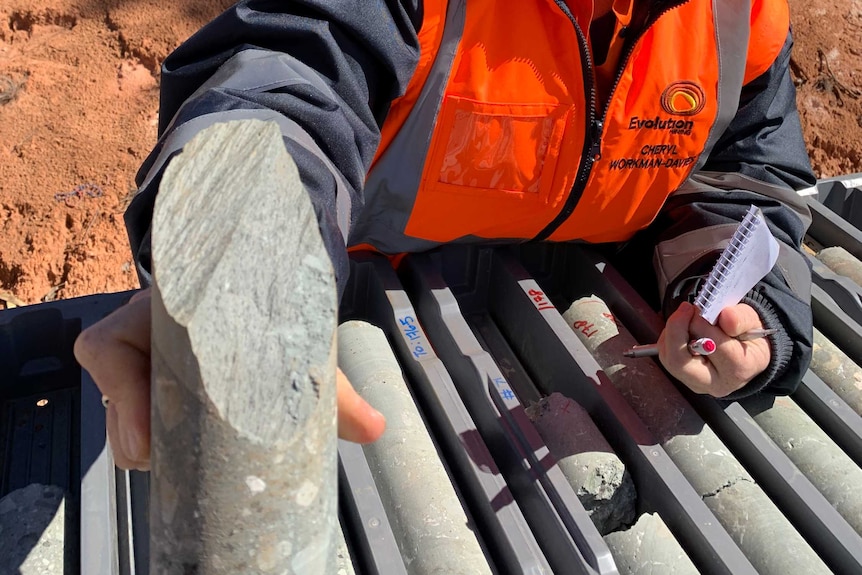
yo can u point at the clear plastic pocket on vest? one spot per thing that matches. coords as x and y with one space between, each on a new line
490 171
497 147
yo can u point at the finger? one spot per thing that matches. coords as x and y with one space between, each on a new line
699 327
357 420
115 436
675 336
116 346
116 353
693 371
738 319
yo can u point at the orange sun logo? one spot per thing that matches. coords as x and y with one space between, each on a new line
683 99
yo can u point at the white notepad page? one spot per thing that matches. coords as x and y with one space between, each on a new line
748 257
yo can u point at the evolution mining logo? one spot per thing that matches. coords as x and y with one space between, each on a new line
683 99
678 99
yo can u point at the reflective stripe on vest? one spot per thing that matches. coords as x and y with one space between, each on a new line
487 141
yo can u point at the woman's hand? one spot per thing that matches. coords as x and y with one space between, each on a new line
116 352
733 364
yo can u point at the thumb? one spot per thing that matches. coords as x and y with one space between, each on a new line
738 319
357 420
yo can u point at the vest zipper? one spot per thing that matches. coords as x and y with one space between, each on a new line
648 21
593 137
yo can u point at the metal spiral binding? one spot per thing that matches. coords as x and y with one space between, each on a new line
723 267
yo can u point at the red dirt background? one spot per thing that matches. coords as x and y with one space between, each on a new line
78 106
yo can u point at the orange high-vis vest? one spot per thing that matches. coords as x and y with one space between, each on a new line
498 136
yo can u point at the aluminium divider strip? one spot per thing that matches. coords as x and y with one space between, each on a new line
559 362
101 551
125 533
133 534
99 545
843 291
571 541
377 296
829 229
139 492
491 339
832 413
813 516
836 324
370 533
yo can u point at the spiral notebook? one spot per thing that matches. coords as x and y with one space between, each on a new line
748 257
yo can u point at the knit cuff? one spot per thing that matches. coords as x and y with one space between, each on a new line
780 343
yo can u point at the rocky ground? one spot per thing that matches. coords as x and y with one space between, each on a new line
78 106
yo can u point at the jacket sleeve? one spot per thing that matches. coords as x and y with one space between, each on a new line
760 159
325 70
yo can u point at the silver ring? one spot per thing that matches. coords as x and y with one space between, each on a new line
105 401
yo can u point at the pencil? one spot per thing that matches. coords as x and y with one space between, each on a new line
696 347
755 334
